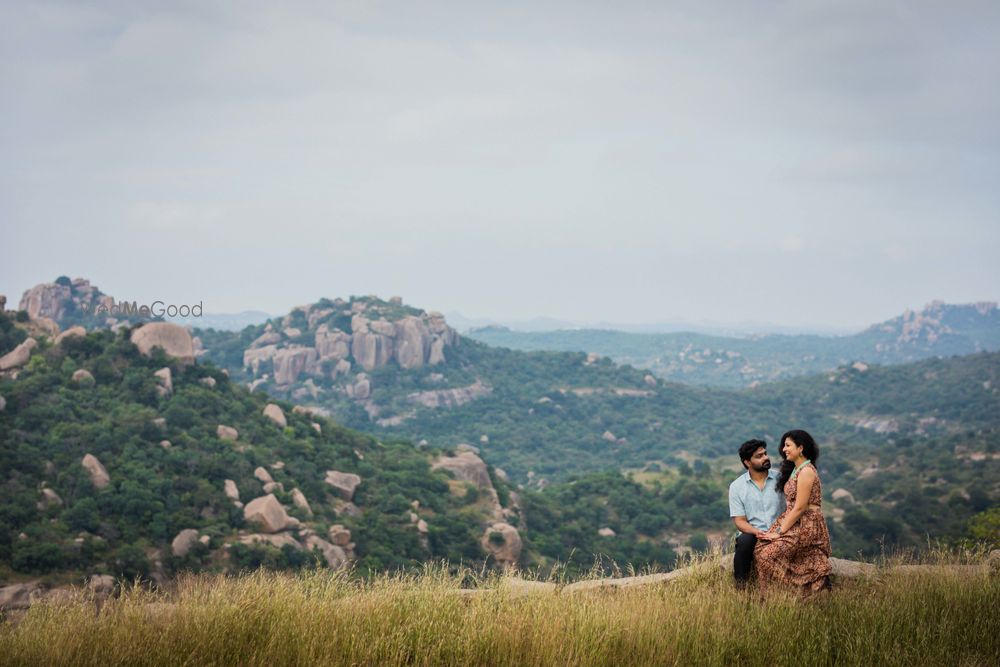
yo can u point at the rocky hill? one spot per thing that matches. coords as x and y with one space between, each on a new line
123 455
938 330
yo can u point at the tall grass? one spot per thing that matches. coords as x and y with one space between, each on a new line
941 616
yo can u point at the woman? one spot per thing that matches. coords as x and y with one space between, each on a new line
795 551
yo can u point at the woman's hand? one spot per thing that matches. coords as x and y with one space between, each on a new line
766 536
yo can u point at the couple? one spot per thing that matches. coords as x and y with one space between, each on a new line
778 514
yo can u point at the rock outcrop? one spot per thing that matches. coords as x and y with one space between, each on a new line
49 499
276 414
98 473
227 432
344 483
83 377
64 298
174 339
268 513
467 467
166 382
291 362
503 543
75 331
339 535
843 494
299 500
231 490
376 336
183 542
263 475
450 398
335 556
18 356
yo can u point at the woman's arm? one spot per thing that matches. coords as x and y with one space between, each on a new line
803 486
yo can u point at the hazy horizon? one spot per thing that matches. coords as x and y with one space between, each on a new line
814 165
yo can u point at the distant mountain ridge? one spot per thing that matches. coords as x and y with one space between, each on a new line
937 330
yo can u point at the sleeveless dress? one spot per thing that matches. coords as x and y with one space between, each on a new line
800 558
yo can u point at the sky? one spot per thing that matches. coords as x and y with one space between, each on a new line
806 164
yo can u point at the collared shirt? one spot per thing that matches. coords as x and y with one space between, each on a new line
760 507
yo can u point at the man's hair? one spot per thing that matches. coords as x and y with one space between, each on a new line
748 448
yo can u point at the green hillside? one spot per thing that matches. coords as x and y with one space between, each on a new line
168 476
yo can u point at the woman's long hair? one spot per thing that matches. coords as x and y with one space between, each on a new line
809 450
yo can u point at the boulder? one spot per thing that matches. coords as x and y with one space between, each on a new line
265 339
342 367
339 535
166 380
208 381
362 388
268 513
275 414
18 596
183 542
50 499
422 527
316 427
334 555
850 569
226 432
271 487
18 356
101 584
843 494
606 532
502 541
83 377
165 444
467 467
299 500
344 483
263 475
649 380
98 474
231 490
69 333
609 436
3 403
173 338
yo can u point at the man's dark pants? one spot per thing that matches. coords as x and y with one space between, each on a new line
743 558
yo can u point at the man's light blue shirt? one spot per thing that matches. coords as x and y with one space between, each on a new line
747 499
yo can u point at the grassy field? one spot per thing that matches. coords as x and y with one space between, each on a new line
917 616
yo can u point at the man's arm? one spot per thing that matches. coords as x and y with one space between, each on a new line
739 514
744 526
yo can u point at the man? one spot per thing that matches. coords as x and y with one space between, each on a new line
754 504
